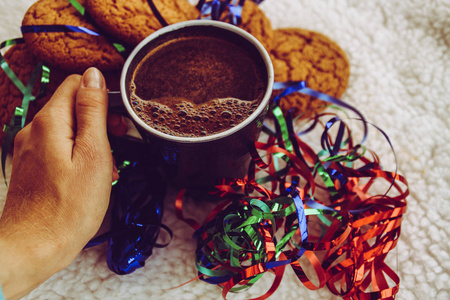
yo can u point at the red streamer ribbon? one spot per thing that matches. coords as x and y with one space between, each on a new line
349 226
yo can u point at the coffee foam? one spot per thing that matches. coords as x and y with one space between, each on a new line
220 86
188 120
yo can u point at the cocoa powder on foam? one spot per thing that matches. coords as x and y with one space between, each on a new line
196 86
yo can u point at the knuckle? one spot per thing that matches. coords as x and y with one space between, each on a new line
40 122
68 86
47 118
19 140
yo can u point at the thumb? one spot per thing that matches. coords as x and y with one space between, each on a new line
91 108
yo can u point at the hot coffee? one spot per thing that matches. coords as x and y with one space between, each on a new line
199 83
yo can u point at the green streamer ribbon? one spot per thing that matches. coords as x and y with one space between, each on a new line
243 234
80 8
20 113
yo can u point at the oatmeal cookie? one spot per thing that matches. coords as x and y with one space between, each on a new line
300 54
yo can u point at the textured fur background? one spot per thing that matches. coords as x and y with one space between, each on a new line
400 79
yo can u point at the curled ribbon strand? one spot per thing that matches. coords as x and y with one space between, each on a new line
227 10
137 208
319 199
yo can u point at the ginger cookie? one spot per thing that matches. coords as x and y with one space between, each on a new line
300 54
255 22
133 20
22 62
72 51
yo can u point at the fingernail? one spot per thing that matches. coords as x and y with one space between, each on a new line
92 78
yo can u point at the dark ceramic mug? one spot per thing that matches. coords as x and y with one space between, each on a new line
200 161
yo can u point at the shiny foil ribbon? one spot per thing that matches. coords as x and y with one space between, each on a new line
303 206
136 207
229 11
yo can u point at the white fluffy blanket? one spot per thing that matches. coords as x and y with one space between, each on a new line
400 78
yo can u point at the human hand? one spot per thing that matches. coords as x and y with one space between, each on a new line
60 184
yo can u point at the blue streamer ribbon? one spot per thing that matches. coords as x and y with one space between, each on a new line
213 10
313 204
137 208
70 28
301 221
56 28
301 87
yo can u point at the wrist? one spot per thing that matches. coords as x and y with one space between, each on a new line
25 262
